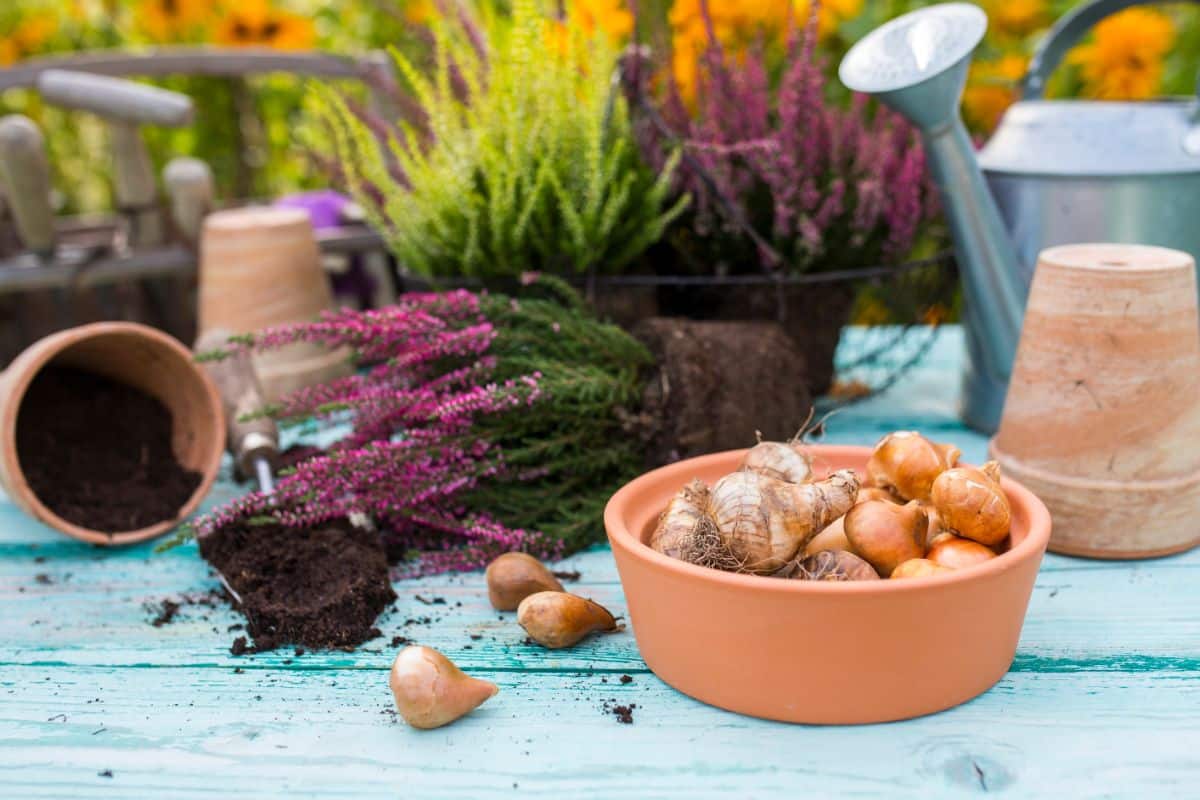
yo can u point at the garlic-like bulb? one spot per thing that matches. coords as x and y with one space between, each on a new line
684 527
763 522
561 619
918 568
832 538
907 463
512 577
829 565
783 461
971 503
430 691
886 534
956 552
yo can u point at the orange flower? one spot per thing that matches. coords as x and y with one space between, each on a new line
1016 17
27 37
609 16
171 20
991 89
257 24
1125 59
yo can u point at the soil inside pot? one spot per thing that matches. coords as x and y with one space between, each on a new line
321 588
98 453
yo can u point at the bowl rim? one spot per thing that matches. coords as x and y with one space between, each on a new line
1032 546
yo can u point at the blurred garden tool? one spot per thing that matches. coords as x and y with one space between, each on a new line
254 443
125 106
25 178
1057 172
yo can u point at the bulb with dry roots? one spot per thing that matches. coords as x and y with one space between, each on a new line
431 691
907 463
971 503
918 568
561 619
512 577
829 565
783 461
886 534
685 529
955 552
762 523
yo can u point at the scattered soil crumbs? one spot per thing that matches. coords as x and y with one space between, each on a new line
319 588
626 679
399 640
105 773
98 453
568 575
43 579
430 601
239 646
167 610
624 714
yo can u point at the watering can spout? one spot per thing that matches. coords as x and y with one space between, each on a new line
917 65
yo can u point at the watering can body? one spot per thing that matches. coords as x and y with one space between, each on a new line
1054 172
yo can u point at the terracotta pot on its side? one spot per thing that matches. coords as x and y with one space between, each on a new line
138 356
261 267
1103 410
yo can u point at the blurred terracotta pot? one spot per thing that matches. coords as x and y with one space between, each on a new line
138 356
1103 410
817 651
260 267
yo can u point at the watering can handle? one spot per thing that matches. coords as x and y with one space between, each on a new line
1063 36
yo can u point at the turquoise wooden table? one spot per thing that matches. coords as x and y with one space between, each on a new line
1103 699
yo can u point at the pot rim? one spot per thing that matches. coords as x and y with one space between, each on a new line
29 363
1031 546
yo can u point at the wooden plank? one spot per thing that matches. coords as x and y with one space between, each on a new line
185 733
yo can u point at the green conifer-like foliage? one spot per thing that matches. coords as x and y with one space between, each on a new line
522 159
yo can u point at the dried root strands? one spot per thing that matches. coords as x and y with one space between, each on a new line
763 523
681 526
885 534
918 568
955 552
829 565
431 691
907 463
514 576
783 461
561 619
971 503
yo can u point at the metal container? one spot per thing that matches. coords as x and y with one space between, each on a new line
1055 172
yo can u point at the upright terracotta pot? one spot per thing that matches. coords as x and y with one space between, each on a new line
1102 417
138 356
260 267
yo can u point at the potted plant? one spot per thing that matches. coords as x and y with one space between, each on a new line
785 183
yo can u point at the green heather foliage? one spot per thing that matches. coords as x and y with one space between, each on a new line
523 160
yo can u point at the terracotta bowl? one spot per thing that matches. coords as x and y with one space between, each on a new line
827 653
138 356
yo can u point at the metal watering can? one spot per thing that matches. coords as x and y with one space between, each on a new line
1054 172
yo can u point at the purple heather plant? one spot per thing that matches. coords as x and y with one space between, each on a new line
777 170
442 453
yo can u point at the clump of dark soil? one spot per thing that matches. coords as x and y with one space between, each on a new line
718 383
166 611
319 588
624 714
98 453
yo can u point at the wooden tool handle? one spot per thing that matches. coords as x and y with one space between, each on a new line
115 99
25 173
189 183
240 395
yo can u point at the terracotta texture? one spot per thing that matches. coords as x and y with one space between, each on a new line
261 267
1103 410
136 355
812 651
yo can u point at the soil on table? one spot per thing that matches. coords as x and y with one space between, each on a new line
320 588
718 384
98 453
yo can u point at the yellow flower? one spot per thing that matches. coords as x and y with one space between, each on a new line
609 16
171 20
1016 17
418 12
832 13
991 89
257 24
1125 59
